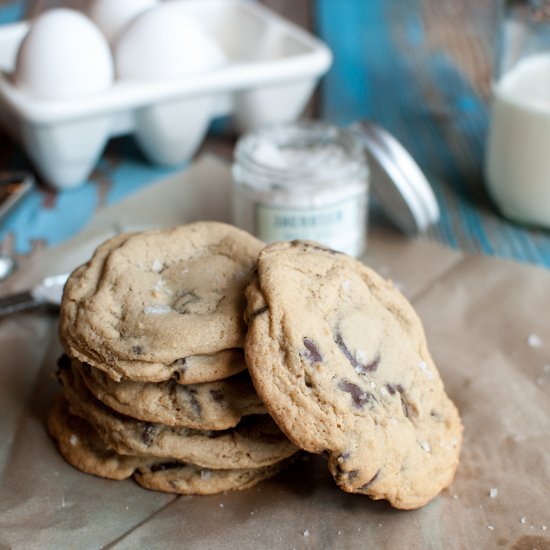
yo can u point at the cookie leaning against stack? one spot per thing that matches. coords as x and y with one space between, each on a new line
153 329
340 359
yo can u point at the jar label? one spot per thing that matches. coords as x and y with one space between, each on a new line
340 226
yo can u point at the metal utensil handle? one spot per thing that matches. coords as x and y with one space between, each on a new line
18 302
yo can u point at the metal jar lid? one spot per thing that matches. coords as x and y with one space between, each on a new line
397 181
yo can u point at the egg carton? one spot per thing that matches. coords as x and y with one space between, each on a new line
271 72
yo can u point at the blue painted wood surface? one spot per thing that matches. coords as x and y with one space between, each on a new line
387 69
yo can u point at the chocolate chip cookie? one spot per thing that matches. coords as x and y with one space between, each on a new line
255 442
146 302
340 358
207 406
82 447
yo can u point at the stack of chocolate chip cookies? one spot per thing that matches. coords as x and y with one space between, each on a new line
155 384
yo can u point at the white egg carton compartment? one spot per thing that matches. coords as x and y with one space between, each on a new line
271 71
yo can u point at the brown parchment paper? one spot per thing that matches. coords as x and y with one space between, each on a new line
478 313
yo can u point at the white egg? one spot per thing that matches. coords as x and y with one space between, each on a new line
63 56
112 16
165 42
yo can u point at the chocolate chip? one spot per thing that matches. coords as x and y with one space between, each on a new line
392 389
64 363
373 365
313 354
161 466
256 313
370 482
195 405
186 298
217 395
137 350
306 245
361 368
359 396
147 434
181 367
340 472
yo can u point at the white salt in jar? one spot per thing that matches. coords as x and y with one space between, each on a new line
304 180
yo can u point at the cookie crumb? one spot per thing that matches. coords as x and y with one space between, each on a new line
73 440
523 520
490 527
455 496
544 527
340 532
306 533
493 492
534 340
379 525
221 504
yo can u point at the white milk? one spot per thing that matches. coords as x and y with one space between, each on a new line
518 155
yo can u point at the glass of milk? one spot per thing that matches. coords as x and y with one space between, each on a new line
517 166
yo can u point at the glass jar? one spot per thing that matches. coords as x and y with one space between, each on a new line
517 167
305 180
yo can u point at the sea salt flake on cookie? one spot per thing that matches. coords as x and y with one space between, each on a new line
156 266
423 366
157 309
